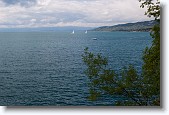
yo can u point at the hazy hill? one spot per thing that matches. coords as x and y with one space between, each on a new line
44 29
138 26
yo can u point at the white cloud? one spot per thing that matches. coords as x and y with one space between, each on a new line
90 13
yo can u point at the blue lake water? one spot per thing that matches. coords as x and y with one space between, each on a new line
46 68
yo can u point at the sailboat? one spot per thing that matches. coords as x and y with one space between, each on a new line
94 38
73 32
86 32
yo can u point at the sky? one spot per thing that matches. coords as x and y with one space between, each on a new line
59 13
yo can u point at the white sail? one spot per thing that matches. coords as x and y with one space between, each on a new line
73 32
86 32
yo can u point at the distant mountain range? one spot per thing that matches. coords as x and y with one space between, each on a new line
44 29
138 26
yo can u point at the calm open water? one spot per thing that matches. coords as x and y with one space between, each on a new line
46 68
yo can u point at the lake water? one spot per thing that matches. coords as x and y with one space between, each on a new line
46 68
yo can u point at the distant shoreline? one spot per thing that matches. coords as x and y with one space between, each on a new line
144 26
124 31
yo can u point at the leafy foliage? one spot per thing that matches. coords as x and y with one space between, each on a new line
105 81
153 8
151 57
139 90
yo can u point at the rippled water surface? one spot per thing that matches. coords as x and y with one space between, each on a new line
45 68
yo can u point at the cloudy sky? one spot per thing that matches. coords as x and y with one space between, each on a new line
54 13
